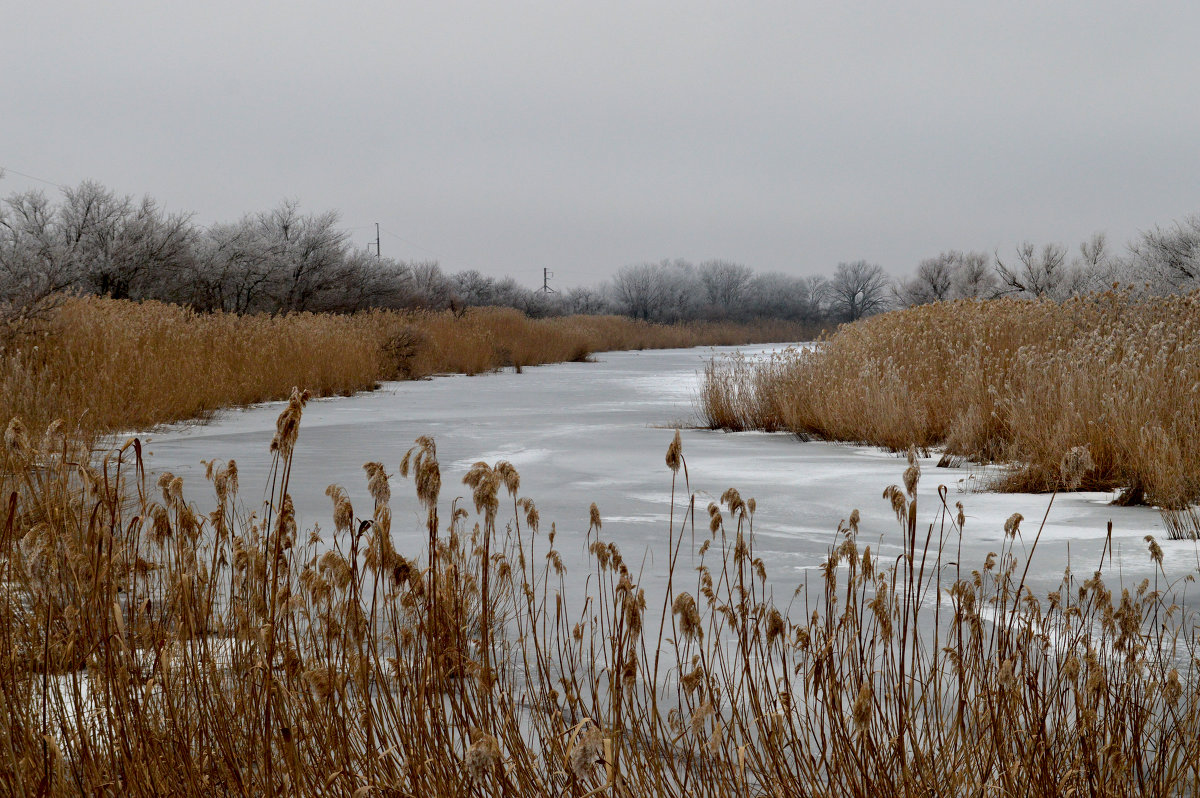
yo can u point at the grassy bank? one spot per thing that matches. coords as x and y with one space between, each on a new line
110 365
150 648
1014 381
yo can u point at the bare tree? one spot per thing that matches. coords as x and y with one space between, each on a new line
1041 273
636 290
233 267
781 296
950 275
680 291
431 287
819 294
474 289
933 281
587 301
858 289
724 284
307 252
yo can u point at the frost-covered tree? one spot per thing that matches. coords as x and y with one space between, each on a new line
34 264
93 241
950 275
431 287
369 281
679 290
1100 266
474 289
1047 273
306 252
974 277
120 247
231 270
637 290
724 285
1040 273
1168 259
587 301
782 296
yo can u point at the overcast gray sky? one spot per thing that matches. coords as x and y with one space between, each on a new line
511 136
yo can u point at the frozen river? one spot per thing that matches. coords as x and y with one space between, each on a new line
598 432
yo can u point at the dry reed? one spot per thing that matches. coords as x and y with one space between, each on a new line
107 365
1011 381
151 648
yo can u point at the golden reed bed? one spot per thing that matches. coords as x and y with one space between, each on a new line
1020 382
107 365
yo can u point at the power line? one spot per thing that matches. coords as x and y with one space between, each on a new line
5 169
411 244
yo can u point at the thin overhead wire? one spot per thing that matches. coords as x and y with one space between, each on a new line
9 169
411 244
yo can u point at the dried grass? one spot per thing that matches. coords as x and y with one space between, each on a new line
1018 382
108 365
151 648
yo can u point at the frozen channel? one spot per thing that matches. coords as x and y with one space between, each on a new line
597 432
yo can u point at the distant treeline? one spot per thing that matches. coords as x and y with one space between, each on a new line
91 240
94 241
1159 262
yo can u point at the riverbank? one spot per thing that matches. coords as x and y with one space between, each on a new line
106 365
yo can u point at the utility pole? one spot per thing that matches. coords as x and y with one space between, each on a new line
546 275
378 251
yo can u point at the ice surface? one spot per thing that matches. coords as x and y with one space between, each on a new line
598 432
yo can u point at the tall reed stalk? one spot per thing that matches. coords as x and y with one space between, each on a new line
150 648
